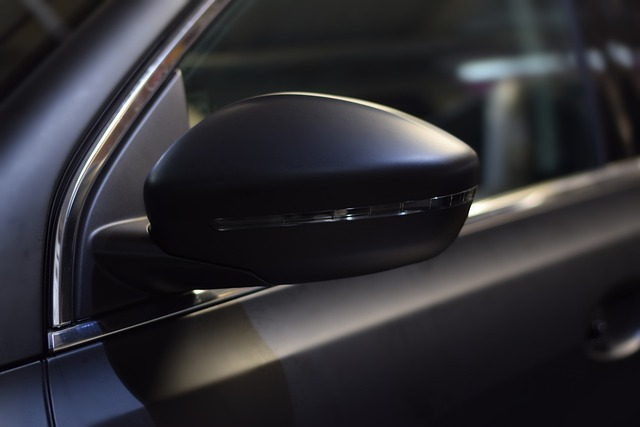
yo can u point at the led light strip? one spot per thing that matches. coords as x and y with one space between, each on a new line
347 214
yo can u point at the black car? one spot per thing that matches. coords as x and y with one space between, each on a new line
230 212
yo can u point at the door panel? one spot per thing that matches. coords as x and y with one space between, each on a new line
209 368
86 391
502 313
22 397
493 331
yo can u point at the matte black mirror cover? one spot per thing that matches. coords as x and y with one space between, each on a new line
302 187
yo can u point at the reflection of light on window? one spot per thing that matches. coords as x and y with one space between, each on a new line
493 69
522 200
595 60
504 68
204 295
620 54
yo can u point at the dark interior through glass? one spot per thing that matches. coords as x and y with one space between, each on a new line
501 75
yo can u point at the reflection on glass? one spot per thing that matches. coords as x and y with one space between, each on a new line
501 75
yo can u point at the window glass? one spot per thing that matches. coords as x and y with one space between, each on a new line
30 30
501 75
611 35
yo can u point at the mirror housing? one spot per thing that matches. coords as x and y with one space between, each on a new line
297 187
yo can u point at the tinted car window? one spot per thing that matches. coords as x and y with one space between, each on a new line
30 30
611 35
501 75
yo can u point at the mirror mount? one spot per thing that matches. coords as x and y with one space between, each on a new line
125 253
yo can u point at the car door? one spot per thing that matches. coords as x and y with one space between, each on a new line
524 320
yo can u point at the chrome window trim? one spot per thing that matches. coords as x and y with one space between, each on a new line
492 211
485 213
67 221
139 315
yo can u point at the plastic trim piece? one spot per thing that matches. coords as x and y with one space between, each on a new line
161 66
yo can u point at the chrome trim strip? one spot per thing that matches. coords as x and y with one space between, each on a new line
139 315
409 207
73 202
495 210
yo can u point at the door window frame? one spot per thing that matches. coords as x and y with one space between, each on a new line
66 332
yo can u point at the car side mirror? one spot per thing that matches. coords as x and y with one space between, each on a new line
296 187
